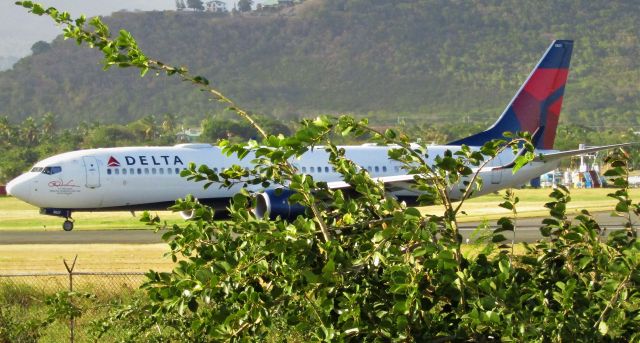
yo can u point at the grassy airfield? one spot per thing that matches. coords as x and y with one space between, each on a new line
16 215
20 216
532 203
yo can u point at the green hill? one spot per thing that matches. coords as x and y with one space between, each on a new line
424 59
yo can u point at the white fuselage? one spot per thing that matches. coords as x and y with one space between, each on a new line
148 177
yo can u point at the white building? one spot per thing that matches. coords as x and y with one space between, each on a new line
215 6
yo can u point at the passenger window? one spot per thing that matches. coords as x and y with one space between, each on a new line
124 171
161 170
312 169
108 171
146 171
132 171
326 169
304 169
384 169
319 169
177 170
139 171
153 171
169 170
396 168
376 169
117 171
369 168
215 170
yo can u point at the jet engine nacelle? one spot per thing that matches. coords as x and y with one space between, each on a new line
186 215
275 203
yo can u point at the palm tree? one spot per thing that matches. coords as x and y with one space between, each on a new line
5 128
29 132
169 123
48 124
149 127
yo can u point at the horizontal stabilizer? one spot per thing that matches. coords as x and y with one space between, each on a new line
562 154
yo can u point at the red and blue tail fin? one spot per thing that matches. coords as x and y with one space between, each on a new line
538 102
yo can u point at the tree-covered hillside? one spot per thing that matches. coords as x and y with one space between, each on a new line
422 59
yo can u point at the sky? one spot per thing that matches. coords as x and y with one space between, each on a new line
20 29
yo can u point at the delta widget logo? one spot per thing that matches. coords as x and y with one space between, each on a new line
113 162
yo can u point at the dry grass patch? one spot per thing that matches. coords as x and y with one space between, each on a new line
34 258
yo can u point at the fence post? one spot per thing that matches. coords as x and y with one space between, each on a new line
70 271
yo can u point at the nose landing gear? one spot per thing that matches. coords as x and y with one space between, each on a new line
57 212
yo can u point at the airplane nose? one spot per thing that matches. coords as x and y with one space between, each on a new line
19 188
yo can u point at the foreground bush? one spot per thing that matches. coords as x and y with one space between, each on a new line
387 272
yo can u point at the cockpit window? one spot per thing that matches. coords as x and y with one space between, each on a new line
51 170
36 169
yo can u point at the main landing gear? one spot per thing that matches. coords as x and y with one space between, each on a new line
68 223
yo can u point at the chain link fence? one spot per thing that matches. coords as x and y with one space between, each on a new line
23 300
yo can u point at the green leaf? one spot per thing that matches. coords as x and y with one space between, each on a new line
419 252
622 206
573 236
507 205
498 238
603 328
390 134
412 212
329 267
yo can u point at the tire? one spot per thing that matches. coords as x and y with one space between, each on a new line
67 225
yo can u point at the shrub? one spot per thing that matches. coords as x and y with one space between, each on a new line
360 265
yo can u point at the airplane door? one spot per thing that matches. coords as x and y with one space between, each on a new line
496 175
93 173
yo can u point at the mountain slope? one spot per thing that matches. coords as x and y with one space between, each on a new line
422 59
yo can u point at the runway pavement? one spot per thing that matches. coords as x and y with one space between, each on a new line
527 231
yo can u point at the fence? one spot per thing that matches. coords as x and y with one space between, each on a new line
23 299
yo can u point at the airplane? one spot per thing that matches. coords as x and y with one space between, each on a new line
147 178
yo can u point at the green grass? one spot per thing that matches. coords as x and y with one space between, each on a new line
532 203
18 215
22 309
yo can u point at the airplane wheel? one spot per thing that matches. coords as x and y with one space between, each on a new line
67 225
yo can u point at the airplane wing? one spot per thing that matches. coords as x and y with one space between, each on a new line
562 154
387 180
405 181
394 182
